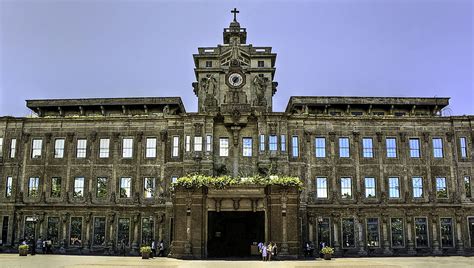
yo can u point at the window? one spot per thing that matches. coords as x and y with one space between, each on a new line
369 187
320 144
175 149
123 232
391 144
78 187
348 240
208 143
346 188
36 148
101 187
147 231
55 187
127 148
208 64
53 230
81 148
467 186
421 232
59 148
447 237
260 63
33 185
99 231
393 187
294 146
104 148
367 148
150 148
9 187
321 187
417 187
398 235
197 144
262 143
343 147
272 143
224 147
437 148
373 239
174 179
324 231
247 147
441 188
1 147
13 148
149 187
75 235
125 187
283 143
462 145
414 148
187 143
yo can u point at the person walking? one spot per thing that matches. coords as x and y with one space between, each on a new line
43 246
275 250
264 252
153 248
161 248
270 251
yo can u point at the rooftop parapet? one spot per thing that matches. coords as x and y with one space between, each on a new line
106 106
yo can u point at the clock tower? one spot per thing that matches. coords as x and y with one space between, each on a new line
234 76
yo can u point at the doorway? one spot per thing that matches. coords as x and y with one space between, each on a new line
231 234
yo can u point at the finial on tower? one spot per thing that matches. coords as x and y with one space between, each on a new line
235 11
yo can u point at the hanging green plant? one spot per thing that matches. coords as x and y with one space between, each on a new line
194 181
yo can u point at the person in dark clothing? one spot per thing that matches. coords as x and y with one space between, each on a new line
161 248
33 247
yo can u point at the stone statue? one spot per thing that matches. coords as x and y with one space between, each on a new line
166 110
259 85
209 84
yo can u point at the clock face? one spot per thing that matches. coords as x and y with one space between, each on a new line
235 80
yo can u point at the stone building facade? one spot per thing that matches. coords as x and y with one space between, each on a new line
382 176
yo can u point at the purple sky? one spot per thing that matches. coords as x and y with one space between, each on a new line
81 49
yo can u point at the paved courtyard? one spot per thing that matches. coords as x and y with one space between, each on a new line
56 261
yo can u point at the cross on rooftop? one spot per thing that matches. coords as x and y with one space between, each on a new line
235 11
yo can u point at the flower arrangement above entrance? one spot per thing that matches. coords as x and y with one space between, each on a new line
198 181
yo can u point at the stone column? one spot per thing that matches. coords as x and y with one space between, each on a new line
360 227
19 223
110 238
385 235
136 220
87 242
188 245
284 243
411 244
459 240
62 242
336 222
435 246
311 227
41 217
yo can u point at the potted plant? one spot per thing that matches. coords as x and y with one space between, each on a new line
327 252
145 251
23 250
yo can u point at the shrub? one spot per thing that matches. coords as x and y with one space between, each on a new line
145 249
327 250
23 247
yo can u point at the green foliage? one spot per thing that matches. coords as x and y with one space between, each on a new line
145 249
23 247
327 250
221 182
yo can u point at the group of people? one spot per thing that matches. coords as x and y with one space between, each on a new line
46 245
267 250
161 249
